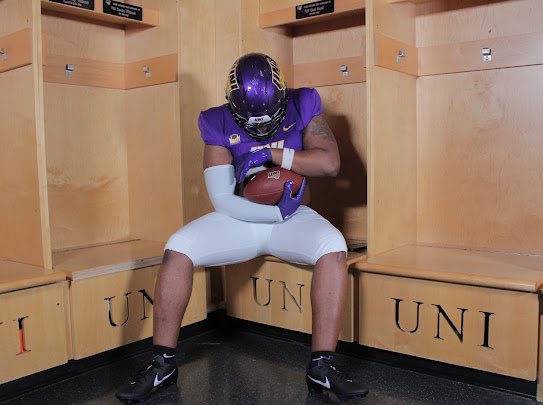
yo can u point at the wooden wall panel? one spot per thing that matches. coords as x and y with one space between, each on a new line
85 72
396 21
273 42
85 138
20 206
480 183
199 89
86 165
154 163
17 50
20 16
329 72
392 136
83 39
396 55
338 46
440 21
343 199
156 41
334 44
272 5
505 52
228 39
23 204
344 108
151 72
393 183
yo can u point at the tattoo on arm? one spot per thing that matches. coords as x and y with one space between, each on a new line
319 127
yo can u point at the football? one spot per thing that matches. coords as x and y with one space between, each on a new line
266 187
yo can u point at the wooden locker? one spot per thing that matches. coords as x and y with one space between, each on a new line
453 128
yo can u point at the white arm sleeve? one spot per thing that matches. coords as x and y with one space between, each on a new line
221 183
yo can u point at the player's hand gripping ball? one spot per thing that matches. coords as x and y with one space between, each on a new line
267 186
254 159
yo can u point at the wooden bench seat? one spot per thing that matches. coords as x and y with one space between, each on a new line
479 268
92 261
17 276
352 258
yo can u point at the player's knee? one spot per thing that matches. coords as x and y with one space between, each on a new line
332 247
335 260
172 258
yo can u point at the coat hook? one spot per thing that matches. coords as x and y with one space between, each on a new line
402 53
487 54
147 71
4 53
344 69
69 70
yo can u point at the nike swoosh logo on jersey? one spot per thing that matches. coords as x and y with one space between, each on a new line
168 357
157 381
325 383
290 126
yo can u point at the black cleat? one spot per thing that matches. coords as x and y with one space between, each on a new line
156 374
322 375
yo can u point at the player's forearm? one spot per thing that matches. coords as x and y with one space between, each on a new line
220 183
313 162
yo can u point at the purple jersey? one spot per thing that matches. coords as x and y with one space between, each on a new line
218 127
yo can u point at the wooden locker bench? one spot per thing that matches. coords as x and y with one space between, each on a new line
33 320
469 308
112 291
270 291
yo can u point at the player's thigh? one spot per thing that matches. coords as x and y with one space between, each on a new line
215 239
305 237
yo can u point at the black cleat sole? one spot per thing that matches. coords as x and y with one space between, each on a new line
139 400
318 389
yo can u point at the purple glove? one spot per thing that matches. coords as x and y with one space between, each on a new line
289 204
255 159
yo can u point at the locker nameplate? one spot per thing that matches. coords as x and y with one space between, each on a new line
86 4
314 9
123 10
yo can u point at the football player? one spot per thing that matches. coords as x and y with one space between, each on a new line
262 124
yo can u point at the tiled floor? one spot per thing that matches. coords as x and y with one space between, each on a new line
249 368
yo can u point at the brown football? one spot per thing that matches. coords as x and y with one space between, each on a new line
266 187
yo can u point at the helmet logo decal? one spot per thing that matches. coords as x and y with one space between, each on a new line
232 81
277 76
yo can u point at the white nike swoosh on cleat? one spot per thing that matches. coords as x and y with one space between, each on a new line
157 381
325 383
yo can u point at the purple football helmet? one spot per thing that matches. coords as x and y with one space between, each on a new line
257 95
